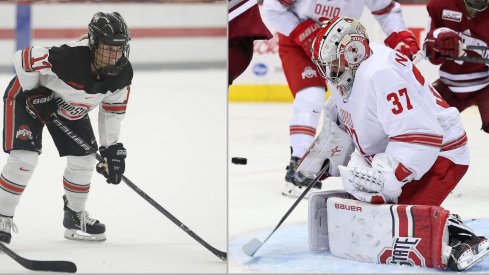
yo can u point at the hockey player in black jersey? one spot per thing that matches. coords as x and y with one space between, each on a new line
67 81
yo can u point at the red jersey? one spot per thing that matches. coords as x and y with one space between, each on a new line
245 20
465 77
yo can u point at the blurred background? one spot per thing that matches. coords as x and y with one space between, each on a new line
264 81
165 34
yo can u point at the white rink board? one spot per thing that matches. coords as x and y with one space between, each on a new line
137 15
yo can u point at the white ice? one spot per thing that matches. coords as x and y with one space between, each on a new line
175 134
260 133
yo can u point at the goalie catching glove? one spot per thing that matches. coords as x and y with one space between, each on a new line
113 166
381 183
40 103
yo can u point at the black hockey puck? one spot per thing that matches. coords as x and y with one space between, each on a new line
237 160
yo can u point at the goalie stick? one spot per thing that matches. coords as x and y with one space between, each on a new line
53 266
252 246
62 126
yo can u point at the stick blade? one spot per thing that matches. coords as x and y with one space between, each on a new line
251 247
53 266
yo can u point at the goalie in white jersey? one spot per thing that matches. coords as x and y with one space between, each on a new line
296 22
67 82
411 147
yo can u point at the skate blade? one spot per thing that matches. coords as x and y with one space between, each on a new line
78 235
464 265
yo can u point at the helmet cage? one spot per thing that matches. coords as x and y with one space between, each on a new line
477 5
109 43
343 47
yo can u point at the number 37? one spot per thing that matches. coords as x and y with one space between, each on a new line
395 98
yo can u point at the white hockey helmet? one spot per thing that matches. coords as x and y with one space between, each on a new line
339 48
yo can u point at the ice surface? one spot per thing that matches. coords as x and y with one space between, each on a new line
260 133
175 135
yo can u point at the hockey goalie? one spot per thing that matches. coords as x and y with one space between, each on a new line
399 150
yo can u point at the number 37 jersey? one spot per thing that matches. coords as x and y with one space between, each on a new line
393 109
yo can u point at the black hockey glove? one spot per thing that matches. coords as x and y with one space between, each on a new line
113 165
40 103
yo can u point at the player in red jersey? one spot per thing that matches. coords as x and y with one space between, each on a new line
245 26
455 23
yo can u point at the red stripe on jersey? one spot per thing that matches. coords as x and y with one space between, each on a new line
11 187
26 59
459 142
384 10
286 3
76 188
9 115
114 108
424 139
295 129
403 221
418 75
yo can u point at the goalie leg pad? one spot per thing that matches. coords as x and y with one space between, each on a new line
411 235
318 220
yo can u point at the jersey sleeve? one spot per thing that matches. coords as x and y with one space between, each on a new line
111 112
278 17
415 136
31 65
388 14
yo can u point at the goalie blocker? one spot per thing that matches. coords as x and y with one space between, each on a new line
412 235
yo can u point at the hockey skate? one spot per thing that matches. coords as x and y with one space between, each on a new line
467 248
6 226
79 226
294 182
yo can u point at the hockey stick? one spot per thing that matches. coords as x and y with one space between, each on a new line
473 47
53 266
470 59
62 126
252 246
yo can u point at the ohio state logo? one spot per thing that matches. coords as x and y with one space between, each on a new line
308 73
24 133
72 110
402 252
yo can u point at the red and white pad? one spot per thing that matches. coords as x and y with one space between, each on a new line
389 234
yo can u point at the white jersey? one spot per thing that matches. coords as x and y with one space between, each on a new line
285 19
66 71
392 109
